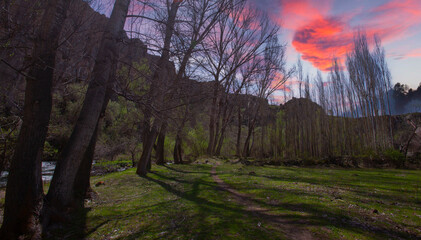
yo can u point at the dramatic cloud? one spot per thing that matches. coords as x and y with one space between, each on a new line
297 13
323 39
320 31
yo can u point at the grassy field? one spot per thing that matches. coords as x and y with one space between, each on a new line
338 203
184 202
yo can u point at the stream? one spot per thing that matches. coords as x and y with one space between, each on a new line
47 173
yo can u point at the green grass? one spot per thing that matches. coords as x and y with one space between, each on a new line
338 203
183 202
177 202
115 163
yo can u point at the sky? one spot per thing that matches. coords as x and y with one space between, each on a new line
317 30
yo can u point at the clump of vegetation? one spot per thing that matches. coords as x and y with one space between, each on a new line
397 157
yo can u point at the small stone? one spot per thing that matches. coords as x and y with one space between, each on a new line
99 183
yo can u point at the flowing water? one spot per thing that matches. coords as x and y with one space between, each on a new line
47 173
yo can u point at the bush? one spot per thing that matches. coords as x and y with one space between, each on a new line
395 156
197 141
50 153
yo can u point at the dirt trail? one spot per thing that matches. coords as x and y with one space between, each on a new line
292 230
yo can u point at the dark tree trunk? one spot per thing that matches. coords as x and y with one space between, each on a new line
178 152
61 193
142 165
246 149
252 124
212 120
220 142
149 166
262 144
238 144
82 181
24 191
160 150
226 118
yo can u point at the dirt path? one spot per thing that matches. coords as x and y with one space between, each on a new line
292 230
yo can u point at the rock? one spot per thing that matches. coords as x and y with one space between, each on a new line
246 162
99 183
375 211
252 173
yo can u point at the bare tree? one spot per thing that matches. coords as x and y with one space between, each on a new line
236 40
272 75
156 96
183 35
370 78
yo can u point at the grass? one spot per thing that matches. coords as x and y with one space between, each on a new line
183 202
177 202
339 203
114 163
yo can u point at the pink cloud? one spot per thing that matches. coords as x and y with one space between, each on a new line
321 37
296 14
322 40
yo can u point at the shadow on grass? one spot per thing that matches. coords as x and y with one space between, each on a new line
209 214
320 215
228 217
73 228
182 171
381 183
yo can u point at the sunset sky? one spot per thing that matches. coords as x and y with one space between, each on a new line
316 30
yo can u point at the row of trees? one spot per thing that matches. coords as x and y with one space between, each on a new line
225 41
354 113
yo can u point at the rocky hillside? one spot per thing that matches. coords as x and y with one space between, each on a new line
80 40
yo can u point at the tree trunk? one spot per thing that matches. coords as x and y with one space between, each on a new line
178 154
262 144
24 191
142 165
212 120
246 149
160 149
61 193
82 181
238 144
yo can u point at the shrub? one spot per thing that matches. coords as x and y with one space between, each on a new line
395 156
